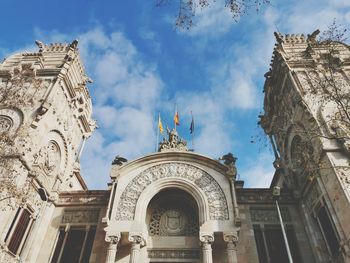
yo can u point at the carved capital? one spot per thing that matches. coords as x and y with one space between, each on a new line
207 239
231 239
136 239
113 239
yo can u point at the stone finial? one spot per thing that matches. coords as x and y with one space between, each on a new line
278 37
40 45
74 44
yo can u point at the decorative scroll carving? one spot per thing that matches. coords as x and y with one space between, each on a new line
231 239
179 254
268 215
80 216
136 239
206 239
112 239
206 242
218 209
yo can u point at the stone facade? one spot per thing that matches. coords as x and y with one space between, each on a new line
173 205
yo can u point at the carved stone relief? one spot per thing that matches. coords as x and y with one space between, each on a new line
173 222
169 253
344 175
6 123
218 209
268 215
49 158
80 216
10 119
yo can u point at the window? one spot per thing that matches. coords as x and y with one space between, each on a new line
328 230
19 230
271 246
74 245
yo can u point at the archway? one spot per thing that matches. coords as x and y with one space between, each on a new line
173 227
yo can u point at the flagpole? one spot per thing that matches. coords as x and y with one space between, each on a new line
157 132
174 116
192 132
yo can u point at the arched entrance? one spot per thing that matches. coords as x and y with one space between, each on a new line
171 207
173 227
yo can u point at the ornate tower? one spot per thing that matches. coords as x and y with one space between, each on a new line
45 116
307 118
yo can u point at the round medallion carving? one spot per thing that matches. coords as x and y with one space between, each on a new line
6 123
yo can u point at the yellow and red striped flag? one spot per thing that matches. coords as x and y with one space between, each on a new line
160 125
176 118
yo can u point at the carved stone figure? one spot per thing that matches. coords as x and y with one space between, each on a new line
118 160
48 158
230 162
173 142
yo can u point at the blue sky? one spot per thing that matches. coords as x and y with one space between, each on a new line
141 66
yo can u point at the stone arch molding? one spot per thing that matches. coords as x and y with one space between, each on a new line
215 197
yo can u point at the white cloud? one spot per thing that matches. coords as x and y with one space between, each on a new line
125 90
213 20
258 172
151 39
307 16
126 87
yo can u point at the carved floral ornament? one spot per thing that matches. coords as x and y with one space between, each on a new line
218 209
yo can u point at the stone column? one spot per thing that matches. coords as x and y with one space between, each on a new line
231 240
206 248
135 248
112 248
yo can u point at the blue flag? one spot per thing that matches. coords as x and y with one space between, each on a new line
192 126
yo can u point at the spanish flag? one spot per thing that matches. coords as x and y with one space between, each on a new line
160 125
176 118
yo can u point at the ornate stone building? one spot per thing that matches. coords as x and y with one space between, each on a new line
174 205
